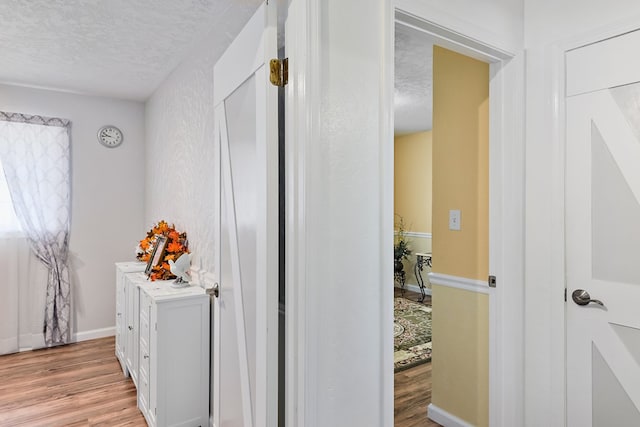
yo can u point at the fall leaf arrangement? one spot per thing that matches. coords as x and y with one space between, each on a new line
176 245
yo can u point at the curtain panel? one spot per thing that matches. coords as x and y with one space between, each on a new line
22 295
35 154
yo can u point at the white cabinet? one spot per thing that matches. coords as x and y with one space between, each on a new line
132 284
122 270
173 381
162 342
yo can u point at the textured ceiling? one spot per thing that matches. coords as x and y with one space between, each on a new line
125 49
413 81
117 48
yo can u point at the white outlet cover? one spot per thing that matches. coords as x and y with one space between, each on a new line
455 220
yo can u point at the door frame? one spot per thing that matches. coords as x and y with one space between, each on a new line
547 185
506 206
506 217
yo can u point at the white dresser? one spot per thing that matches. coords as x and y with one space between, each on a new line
122 322
168 358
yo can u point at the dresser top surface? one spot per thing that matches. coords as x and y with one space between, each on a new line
130 266
163 289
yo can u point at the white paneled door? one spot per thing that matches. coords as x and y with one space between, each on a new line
603 233
245 319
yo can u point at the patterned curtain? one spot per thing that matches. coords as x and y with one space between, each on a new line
34 152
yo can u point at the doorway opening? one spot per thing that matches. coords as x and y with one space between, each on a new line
441 204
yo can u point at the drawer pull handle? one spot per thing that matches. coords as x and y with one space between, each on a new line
146 356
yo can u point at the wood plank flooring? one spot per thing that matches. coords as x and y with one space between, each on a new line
412 389
74 385
82 385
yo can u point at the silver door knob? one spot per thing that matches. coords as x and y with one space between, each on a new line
582 297
215 290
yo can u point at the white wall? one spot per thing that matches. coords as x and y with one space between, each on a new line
107 192
180 155
179 147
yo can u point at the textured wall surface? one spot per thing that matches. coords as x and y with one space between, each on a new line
180 155
107 192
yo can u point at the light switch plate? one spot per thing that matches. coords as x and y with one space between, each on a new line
454 220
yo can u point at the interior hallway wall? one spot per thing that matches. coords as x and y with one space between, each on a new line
412 180
460 379
460 164
180 156
179 151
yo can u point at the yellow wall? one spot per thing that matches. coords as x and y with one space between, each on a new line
460 378
460 166
412 180
460 359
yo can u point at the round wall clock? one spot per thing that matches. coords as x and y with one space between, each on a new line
110 136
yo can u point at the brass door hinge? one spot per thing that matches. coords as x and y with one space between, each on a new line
279 72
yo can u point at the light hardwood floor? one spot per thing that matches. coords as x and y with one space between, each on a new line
412 389
82 385
74 385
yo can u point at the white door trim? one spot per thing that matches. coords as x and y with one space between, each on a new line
547 250
304 183
303 49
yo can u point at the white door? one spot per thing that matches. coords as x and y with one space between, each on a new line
603 233
245 320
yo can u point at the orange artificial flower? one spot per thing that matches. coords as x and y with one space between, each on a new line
174 247
163 227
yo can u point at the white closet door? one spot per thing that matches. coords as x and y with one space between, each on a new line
245 330
603 234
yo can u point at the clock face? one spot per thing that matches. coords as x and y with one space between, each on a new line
110 136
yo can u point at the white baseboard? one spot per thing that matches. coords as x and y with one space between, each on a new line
415 288
444 418
94 334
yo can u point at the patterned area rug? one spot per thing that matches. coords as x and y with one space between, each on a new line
411 334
